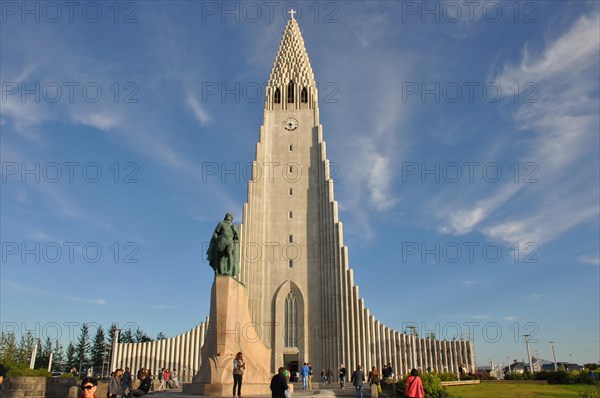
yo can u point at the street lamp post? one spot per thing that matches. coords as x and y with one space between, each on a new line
528 352
553 355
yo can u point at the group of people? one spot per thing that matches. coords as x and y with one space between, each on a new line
281 389
326 376
121 382
414 384
168 379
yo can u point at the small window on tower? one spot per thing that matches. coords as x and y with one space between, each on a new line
291 263
291 192
291 148
291 215
291 239
277 96
304 96
290 98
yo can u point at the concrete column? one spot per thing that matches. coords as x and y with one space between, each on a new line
195 366
361 334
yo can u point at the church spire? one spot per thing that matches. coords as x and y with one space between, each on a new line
292 80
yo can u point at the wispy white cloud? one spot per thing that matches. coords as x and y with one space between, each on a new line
592 260
200 113
562 131
101 120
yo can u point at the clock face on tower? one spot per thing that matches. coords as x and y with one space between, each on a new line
290 124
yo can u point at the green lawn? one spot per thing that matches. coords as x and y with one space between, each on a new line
486 390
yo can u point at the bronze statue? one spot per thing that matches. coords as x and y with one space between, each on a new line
223 248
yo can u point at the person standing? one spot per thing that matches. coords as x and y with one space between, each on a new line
342 374
414 385
374 382
114 384
279 384
125 381
310 375
238 372
167 376
329 375
175 379
358 377
305 371
161 379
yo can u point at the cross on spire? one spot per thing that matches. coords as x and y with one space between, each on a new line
292 12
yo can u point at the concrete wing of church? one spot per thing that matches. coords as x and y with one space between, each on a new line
303 300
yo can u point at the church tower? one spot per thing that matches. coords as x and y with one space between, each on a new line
290 219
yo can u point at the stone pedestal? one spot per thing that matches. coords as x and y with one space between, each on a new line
231 330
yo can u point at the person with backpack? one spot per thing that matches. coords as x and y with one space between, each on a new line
414 385
374 382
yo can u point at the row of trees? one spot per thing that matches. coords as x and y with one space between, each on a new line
80 354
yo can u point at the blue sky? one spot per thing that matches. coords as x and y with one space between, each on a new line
464 141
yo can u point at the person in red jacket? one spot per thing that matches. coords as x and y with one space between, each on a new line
414 385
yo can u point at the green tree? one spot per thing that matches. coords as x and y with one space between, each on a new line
58 358
24 349
43 356
161 336
71 359
98 348
9 351
111 334
141 337
126 336
82 348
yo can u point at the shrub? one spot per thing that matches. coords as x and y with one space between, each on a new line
432 384
19 369
563 377
447 376
519 376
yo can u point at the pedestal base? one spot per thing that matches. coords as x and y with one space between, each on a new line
231 330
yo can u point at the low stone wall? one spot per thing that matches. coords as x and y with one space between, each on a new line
460 383
515 381
40 387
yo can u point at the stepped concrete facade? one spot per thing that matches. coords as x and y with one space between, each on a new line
303 300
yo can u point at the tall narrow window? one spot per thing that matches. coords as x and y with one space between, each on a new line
291 92
291 148
304 96
291 239
277 96
291 321
291 192
291 215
